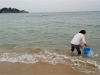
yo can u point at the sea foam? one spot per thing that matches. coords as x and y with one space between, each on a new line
76 62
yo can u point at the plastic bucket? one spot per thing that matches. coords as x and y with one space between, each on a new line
86 51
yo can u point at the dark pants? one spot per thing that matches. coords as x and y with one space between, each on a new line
77 47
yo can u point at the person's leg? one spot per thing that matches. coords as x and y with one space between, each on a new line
78 49
72 49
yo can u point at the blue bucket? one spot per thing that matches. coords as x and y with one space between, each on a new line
86 51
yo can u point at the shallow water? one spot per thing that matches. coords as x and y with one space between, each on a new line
32 37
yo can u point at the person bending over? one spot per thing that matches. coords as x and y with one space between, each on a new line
75 42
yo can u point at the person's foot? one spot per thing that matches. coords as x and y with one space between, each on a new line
71 52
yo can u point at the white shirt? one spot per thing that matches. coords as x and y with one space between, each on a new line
77 38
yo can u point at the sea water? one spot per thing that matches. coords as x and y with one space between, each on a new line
33 37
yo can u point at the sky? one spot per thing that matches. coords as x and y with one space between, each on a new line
52 5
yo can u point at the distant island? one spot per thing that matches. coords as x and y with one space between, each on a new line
12 10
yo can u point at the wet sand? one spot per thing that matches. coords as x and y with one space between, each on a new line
7 68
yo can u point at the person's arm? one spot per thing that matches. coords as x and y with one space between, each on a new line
83 40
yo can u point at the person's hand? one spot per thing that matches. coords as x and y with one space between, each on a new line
81 47
85 45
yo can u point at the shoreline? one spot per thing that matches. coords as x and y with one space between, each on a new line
39 68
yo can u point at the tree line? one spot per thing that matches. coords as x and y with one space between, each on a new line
12 10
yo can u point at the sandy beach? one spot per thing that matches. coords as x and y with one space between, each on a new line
7 68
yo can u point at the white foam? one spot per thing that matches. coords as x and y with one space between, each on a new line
76 62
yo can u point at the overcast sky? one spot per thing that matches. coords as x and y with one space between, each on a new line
52 5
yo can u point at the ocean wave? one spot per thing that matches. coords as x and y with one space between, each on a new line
97 25
76 62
